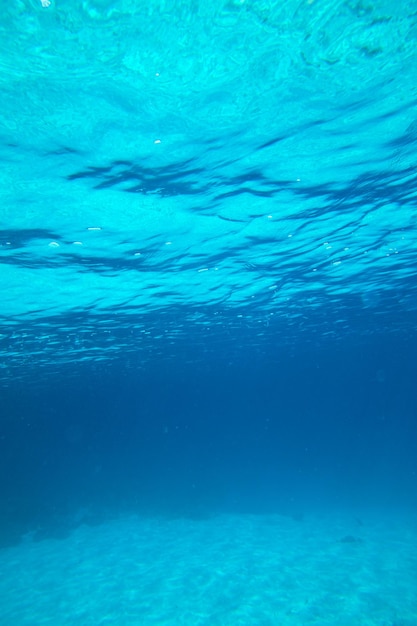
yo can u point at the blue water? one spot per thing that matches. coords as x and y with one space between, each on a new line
208 257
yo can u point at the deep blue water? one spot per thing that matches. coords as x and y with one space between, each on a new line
208 249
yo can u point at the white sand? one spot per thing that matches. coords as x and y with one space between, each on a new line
225 571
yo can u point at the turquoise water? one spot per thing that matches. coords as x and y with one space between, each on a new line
191 167
208 313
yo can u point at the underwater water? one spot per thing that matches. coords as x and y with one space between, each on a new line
208 313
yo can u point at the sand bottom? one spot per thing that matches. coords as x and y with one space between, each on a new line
223 571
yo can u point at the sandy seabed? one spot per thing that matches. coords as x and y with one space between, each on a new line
228 570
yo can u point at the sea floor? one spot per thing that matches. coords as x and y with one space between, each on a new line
229 570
